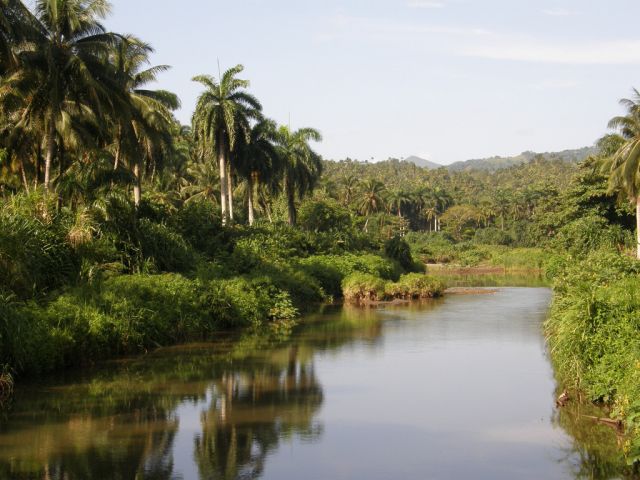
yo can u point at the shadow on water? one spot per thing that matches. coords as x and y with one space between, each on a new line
220 408
226 410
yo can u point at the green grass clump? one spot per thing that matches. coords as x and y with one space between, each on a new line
331 270
415 286
363 287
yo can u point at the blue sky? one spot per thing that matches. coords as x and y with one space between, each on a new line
444 79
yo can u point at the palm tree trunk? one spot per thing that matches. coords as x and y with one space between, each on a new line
638 227
137 185
291 204
223 178
230 191
116 162
51 146
250 198
37 167
23 174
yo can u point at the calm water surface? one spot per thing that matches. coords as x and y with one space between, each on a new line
457 388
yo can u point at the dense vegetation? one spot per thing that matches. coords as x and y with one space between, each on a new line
122 230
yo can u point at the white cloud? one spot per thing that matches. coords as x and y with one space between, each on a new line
425 4
622 52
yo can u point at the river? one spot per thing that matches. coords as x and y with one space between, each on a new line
455 388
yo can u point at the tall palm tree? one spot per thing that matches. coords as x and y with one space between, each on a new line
144 128
66 75
372 198
222 114
624 165
349 186
396 199
257 160
302 166
17 25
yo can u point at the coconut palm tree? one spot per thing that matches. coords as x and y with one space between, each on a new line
396 199
302 166
257 160
65 75
144 129
222 114
349 187
624 165
372 198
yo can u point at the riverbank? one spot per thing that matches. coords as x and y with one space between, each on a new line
593 332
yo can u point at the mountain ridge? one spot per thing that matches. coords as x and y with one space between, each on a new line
497 162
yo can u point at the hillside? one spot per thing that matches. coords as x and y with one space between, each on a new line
496 163
422 162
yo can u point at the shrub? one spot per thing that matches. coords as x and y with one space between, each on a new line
594 333
415 286
34 256
398 249
168 251
324 216
363 287
330 270
591 233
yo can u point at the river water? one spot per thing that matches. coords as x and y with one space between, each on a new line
455 388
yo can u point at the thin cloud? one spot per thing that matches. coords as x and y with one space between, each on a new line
624 52
425 4
558 12
554 84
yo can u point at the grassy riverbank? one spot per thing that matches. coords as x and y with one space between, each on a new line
75 290
594 334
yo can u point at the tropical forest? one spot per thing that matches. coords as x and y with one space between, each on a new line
215 298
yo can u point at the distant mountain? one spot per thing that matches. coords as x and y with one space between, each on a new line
422 162
496 163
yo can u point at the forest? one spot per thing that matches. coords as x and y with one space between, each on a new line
122 230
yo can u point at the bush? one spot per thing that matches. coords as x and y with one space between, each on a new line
330 270
324 216
591 233
34 256
415 286
363 287
399 250
492 236
594 333
166 249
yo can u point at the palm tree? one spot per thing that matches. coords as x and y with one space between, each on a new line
66 76
143 129
257 160
302 166
17 25
349 186
396 199
624 164
222 114
371 200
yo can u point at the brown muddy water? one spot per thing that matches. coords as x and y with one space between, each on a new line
455 388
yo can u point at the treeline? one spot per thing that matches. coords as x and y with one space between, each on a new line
79 120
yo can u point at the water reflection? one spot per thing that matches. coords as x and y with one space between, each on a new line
390 392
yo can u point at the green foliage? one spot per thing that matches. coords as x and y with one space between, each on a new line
594 333
591 233
399 250
166 249
34 255
324 216
330 270
415 286
362 287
